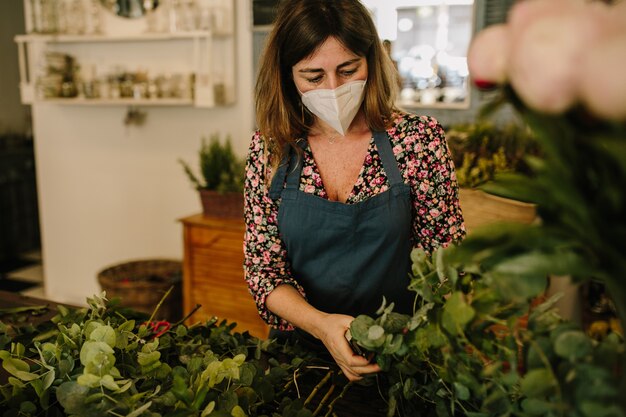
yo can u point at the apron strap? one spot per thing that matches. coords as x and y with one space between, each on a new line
383 144
279 176
295 168
292 160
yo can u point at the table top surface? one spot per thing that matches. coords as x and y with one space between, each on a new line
215 222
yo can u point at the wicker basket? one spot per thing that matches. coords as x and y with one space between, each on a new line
141 284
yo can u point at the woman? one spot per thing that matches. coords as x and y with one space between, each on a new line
340 185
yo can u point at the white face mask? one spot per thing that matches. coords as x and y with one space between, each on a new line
336 107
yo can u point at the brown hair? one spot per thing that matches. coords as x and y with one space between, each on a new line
301 27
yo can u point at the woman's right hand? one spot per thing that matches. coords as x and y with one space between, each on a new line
331 330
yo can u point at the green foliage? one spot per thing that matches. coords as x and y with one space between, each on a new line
100 362
482 150
220 168
471 349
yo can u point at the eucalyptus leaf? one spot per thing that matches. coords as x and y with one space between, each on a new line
538 383
13 365
89 380
104 334
572 345
208 409
375 332
145 359
539 352
139 411
108 383
461 391
457 313
536 407
16 382
27 408
518 288
93 351
393 344
596 409
71 396
48 379
237 411
360 326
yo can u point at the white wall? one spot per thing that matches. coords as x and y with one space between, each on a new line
110 193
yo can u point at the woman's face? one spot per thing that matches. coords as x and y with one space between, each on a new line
330 66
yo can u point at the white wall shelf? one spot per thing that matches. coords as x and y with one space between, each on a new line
142 37
81 101
204 57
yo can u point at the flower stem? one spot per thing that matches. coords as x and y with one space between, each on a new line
317 387
337 398
160 302
324 400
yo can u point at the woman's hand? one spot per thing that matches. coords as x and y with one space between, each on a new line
286 302
331 330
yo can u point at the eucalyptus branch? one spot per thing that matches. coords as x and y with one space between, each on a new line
337 398
495 320
379 391
324 400
295 382
181 321
317 387
484 358
546 363
160 303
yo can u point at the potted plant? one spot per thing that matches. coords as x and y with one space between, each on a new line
220 182
481 152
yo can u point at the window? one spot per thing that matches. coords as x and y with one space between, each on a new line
428 43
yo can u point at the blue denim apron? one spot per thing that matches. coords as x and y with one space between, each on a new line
348 256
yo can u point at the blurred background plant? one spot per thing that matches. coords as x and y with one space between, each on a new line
482 149
220 169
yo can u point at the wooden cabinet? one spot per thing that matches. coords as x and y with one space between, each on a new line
213 273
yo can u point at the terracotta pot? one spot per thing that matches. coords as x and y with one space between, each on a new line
480 208
216 204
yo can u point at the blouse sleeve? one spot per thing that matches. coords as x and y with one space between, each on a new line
265 258
437 216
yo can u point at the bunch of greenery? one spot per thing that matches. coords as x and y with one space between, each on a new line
481 150
220 168
101 362
476 348
470 349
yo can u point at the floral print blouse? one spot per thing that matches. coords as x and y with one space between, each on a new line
424 160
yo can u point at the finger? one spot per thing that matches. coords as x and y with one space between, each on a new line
365 370
350 374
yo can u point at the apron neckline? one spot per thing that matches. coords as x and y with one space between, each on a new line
289 172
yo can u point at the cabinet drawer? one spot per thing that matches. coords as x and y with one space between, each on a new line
202 236
213 274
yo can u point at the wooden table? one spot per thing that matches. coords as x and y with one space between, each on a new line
213 273
9 300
